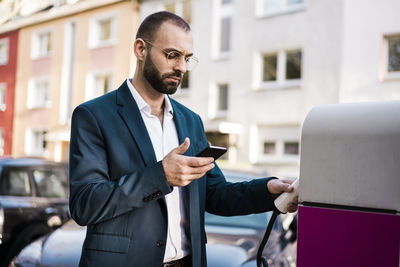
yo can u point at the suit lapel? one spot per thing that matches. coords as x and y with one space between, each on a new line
182 128
129 111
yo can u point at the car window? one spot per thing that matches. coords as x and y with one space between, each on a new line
51 183
17 183
257 221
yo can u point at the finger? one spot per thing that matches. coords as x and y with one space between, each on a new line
287 181
284 187
199 161
201 170
183 147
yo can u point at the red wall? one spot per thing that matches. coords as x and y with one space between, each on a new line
8 76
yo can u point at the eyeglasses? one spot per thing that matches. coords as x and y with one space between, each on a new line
175 57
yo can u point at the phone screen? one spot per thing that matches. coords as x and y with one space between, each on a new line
212 151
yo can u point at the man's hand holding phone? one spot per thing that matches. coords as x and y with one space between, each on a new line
181 170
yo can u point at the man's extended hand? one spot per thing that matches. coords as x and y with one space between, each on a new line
182 170
276 187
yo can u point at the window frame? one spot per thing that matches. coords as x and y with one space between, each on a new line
179 8
221 12
385 73
213 101
281 71
3 96
32 93
6 42
36 47
29 148
95 31
90 91
279 135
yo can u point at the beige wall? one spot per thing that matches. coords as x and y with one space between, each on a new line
119 61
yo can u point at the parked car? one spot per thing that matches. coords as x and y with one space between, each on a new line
33 202
232 241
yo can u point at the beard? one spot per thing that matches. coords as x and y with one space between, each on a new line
156 79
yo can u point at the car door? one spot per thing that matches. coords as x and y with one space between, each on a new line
16 191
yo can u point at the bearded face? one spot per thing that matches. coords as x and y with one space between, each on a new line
158 81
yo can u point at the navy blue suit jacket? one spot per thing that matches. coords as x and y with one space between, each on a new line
117 187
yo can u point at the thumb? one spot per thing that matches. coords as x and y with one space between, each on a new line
183 147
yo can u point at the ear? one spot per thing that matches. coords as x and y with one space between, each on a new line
140 49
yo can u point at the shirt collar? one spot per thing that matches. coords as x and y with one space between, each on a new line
143 106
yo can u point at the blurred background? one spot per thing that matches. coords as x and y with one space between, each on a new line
263 65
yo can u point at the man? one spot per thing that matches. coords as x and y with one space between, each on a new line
134 178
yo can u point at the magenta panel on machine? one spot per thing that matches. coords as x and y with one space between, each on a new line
335 237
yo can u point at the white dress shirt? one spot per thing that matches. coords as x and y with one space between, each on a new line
164 139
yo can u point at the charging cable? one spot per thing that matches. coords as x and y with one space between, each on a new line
261 260
281 204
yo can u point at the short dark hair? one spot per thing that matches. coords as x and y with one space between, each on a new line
150 25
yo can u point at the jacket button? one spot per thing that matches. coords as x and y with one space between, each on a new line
160 243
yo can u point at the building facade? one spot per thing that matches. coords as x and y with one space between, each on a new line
8 64
68 54
264 64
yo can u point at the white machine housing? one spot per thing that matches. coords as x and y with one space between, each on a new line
350 155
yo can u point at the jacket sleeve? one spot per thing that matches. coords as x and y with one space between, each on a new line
231 199
94 197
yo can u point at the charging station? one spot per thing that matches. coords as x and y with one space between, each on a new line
350 186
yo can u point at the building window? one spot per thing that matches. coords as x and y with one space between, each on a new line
391 57
281 69
277 7
218 101
102 84
275 144
223 30
225 44
222 98
181 8
41 44
102 30
105 30
38 94
1 142
269 148
291 148
270 63
393 64
35 142
3 89
98 84
3 51
293 65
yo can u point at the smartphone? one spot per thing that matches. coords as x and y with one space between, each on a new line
212 151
